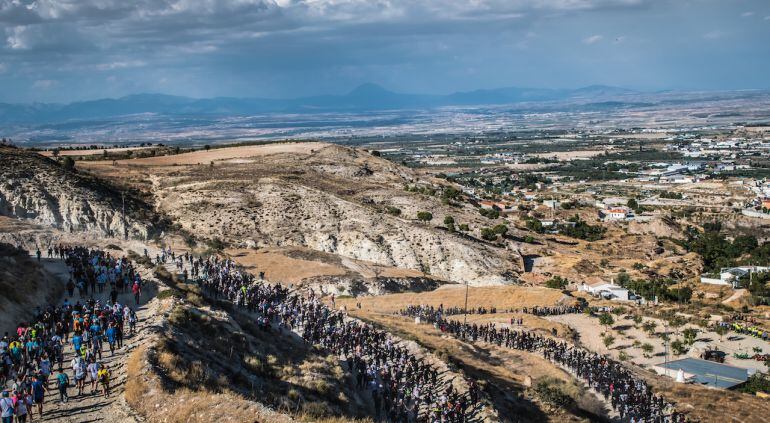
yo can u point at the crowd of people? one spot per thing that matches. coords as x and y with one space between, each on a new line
535 310
32 357
629 395
747 329
403 387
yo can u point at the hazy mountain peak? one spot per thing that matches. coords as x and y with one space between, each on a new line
369 89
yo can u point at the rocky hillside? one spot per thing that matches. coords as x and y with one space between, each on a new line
41 190
331 199
25 284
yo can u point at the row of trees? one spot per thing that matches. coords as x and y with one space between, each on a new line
660 287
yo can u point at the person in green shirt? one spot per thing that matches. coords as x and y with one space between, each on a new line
62 382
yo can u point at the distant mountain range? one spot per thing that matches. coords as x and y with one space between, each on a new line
367 97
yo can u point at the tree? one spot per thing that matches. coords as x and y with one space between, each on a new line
608 340
632 204
207 147
488 234
649 326
678 347
606 320
395 211
556 282
535 225
464 227
676 322
425 216
721 331
68 164
647 349
55 152
489 213
689 335
623 279
500 229
449 220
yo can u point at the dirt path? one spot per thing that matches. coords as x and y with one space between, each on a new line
94 407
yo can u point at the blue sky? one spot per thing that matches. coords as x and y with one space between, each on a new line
68 50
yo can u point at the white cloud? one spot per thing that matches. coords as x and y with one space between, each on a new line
120 65
593 39
714 35
44 84
747 14
16 38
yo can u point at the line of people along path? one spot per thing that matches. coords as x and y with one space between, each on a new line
630 396
403 387
32 358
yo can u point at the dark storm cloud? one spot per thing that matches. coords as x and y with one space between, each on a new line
73 49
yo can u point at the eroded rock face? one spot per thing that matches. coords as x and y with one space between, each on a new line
326 204
38 189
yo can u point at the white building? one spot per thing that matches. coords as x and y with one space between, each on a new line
729 276
616 213
606 290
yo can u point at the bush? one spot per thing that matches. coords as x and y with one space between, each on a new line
557 282
68 164
395 211
488 234
425 216
689 335
553 394
168 293
647 349
489 213
216 244
678 347
608 340
756 383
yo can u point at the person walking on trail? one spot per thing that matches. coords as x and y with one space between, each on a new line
79 369
23 407
132 321
93 374
39 254
104 379
38 394
113 295
70 287
6 408
137 290
112 334
62 382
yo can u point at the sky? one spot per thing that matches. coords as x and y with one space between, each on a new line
72 50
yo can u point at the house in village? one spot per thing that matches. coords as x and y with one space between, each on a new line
606 290
731 276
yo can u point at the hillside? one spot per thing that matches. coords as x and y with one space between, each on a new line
323 197
44 192
25 284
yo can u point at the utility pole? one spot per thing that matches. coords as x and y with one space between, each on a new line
665 346
125 229
465 314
